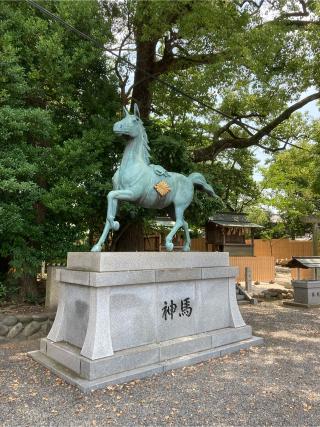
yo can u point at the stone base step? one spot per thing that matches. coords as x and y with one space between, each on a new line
145 371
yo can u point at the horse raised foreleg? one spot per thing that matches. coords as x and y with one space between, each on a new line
111 213
112 210
113 198
98 246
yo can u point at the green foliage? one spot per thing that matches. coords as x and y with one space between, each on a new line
289 183
316 156
57 105
3 291
170 151
58 102
248 59
8 289
272 227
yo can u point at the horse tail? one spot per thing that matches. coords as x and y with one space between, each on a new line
200 183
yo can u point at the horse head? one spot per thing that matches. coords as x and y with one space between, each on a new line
130 125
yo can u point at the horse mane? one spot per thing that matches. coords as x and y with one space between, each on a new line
145 143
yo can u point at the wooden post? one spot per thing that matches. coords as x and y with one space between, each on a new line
252 243
315 239
248 279
223 239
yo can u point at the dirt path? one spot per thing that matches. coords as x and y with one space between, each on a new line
275 384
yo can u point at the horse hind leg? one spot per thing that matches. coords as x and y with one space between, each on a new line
179 223
169 244
187 240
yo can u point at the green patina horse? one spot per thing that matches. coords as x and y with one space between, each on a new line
150 186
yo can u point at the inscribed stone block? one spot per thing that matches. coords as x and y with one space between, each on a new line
176 310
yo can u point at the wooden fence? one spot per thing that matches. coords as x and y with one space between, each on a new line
282 248
266 252
199 245
262 267
277 248
304 273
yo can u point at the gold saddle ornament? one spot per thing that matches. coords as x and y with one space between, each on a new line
162 188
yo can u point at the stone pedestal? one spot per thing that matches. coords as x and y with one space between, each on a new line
306 293
128 315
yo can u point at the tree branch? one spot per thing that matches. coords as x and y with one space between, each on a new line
294 22
219 145
169 62
224 128
244 127
122 80
285 115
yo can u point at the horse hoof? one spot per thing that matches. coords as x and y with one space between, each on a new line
116 226
169 246
186 248
96 248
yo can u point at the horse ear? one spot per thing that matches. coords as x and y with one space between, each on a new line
126 112
136 110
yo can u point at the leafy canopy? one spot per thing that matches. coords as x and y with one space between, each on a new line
57 106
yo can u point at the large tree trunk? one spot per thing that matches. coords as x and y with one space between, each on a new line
4 265
142 90
29 290
132 239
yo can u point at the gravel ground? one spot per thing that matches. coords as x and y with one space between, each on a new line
282 281
275 384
